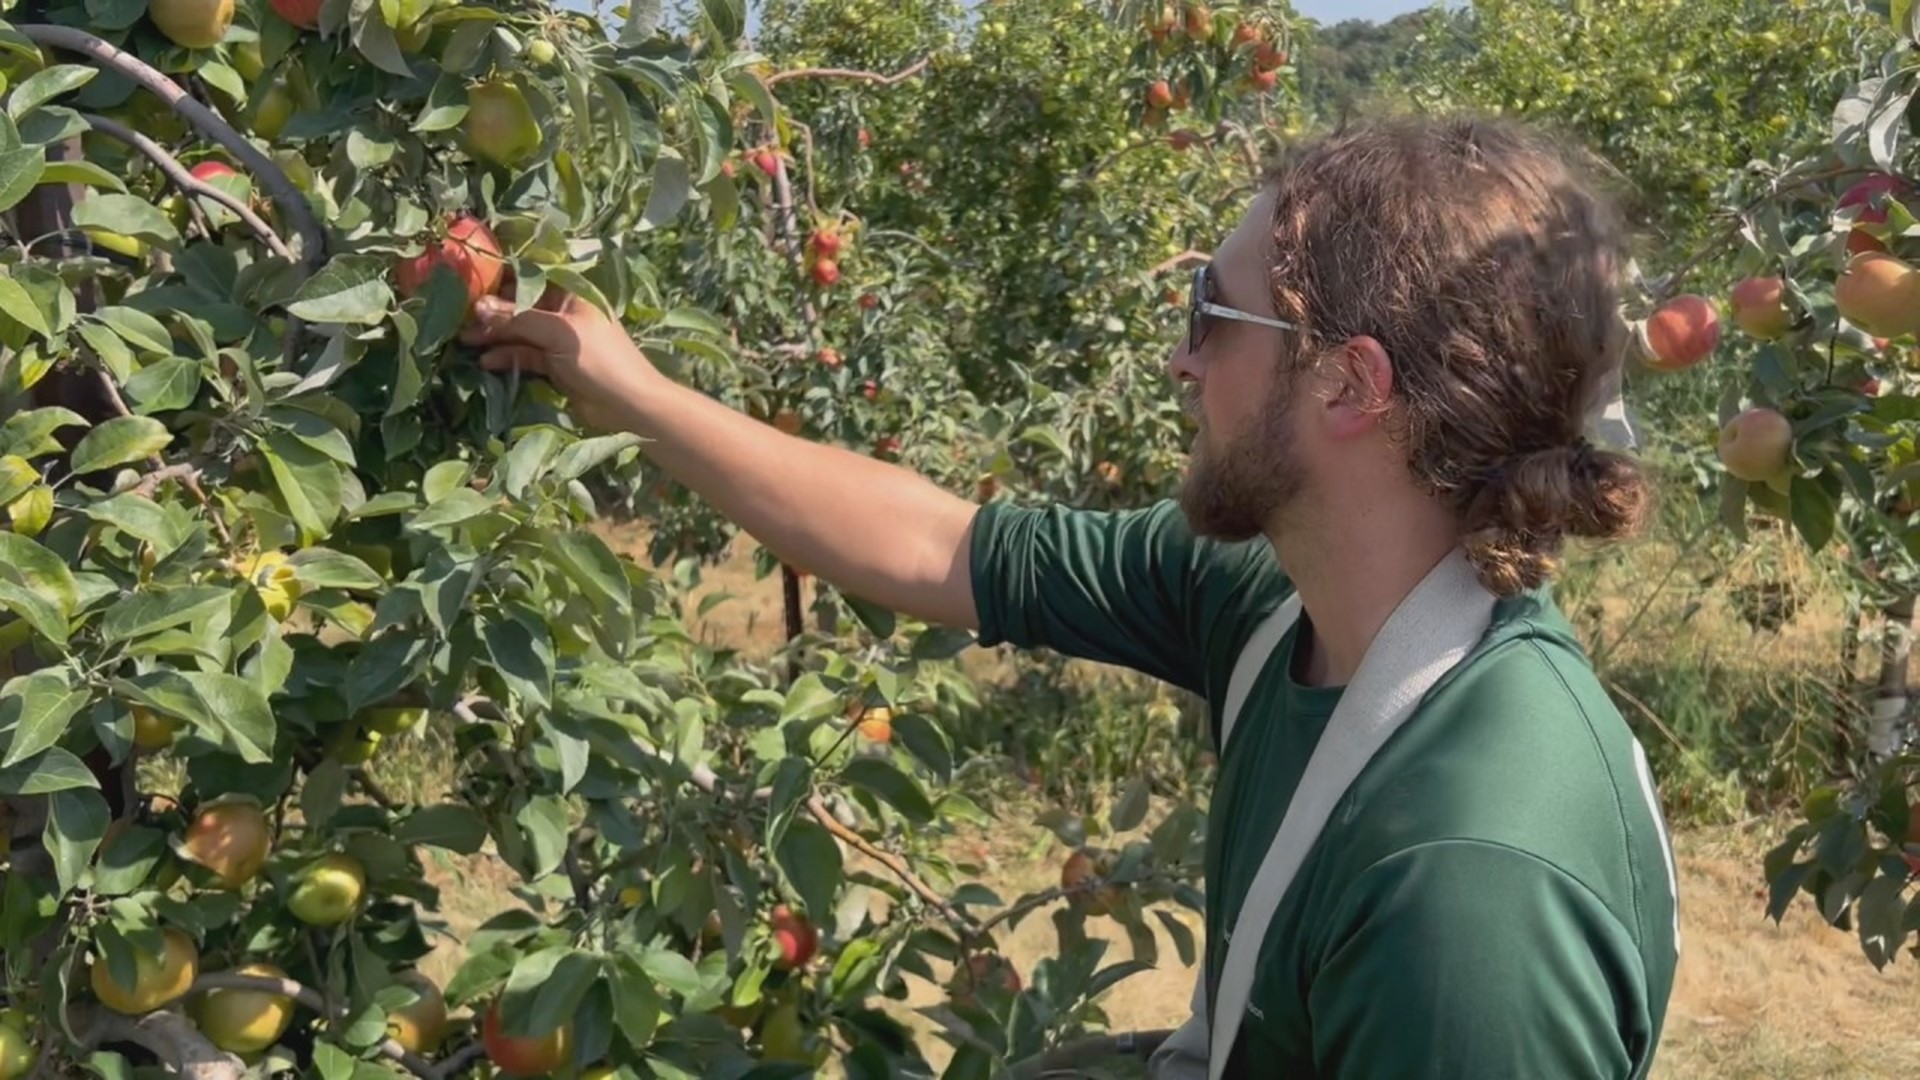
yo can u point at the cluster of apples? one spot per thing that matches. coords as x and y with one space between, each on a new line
1876 291
824 245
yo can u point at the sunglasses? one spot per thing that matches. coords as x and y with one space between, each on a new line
1200 305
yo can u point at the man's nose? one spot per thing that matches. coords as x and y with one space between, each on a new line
1182 363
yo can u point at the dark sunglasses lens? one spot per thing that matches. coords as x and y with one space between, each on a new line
1196 319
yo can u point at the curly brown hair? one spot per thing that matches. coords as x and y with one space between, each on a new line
1489 270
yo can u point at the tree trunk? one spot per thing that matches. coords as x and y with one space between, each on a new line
1888 731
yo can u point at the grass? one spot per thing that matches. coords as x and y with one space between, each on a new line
1734 709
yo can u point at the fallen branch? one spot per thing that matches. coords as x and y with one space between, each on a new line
311 999
292 204
187 182
854 74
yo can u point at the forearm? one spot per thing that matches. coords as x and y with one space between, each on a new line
875 530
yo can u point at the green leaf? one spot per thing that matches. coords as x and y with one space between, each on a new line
120 441
31 564
1878 920
521 648
808 699
1131 809
810 859
925 740
460 505
160 608
164 385
84 173
882 778
941 643
636 1007
387 664
76 823
574 462
52 770
673 971
544 819
238 708
126 863
17 476
320 795
17 304
546 989
672 186
30 433
874 617
729 18
324 568
37 709
350 289
1813 512
449 825
137 328
39 613
126 214
45 85
528 460
309 483
21 166
142 518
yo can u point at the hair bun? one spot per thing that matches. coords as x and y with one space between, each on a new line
1517 524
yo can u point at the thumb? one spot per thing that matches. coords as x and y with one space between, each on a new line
494 322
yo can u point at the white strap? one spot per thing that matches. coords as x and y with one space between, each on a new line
1431 630
1183 1056
1253 659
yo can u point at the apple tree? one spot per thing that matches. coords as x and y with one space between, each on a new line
266 520
1802 308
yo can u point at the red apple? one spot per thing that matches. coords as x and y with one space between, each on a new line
469 249
826 272
794 935
1683 332
208 170
1863 194
1160 95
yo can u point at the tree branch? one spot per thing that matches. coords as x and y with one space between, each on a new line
190 480
186 181
1187 257
817 807
293 204
311 999
856 75
168 1036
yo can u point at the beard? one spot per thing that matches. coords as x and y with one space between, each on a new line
1233 493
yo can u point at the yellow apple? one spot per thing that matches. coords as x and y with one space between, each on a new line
329 891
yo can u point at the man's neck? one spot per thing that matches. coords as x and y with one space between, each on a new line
1352 570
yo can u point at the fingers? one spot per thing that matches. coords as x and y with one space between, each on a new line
530 360
494 322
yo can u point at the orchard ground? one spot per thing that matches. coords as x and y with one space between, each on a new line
1753 1000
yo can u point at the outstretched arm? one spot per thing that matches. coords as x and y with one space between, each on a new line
873 529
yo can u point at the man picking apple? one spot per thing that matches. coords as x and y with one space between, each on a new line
1392 362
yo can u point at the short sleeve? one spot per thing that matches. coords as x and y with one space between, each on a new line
1133 588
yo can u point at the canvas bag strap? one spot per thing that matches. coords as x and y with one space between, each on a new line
1431 631
1183 1055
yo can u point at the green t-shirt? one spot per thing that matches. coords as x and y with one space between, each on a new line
1493 897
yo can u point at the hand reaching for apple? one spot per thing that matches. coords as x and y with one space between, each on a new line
567 340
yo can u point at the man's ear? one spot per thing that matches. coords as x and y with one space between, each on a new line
1359 378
